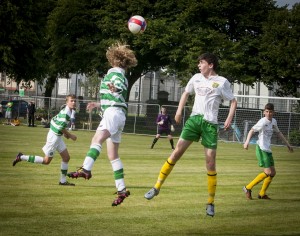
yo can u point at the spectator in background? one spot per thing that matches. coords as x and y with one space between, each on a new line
8 113
30 113
72 126
1 111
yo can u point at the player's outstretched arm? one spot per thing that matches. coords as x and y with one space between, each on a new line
281 136
246 144
68 135
181 105
92 105
231 113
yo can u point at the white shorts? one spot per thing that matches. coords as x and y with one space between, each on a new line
8 114
54 143
113 121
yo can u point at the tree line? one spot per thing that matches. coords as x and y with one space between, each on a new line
255 40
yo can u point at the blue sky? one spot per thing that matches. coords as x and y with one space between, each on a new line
289 2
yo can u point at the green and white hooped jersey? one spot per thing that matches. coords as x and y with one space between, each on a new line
60 121
115 76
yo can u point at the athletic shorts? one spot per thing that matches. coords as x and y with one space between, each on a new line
164 131
53 143
72 121
265 159
113 121
8 114
196 127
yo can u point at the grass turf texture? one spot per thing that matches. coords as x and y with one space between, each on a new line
32 202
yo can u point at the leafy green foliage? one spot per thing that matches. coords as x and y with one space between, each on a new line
280 51
295 137
254 40
23 38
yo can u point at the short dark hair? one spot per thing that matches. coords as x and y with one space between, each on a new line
210 58
269 106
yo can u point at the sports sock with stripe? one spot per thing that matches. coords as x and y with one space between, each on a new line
91 156
164 172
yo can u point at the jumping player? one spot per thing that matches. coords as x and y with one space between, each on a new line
113 94
209 89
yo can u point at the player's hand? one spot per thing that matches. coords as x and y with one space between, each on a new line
112 87
227 125
178 118
73 137
161 122
246 146
91 105
172 128
290 148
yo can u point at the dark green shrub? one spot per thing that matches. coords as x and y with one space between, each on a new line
295 137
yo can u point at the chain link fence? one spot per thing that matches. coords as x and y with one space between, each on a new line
141 118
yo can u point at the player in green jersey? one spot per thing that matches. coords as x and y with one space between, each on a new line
8 112
55 142
113 94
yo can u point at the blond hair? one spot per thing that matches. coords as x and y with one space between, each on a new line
119 55
72 96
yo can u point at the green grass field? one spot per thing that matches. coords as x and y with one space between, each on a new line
32 202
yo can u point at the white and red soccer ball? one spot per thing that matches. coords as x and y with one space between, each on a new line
137 24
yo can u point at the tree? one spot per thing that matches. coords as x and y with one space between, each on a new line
23 39
177 32
79 33
280 51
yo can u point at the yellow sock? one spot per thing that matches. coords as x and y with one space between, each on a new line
164 172
211 186
260 177
265 185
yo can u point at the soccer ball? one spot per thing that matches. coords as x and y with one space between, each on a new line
137 24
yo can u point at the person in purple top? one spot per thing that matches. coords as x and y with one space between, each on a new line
164 122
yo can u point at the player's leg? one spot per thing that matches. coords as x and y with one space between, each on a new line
32 122
189 134
91 156
262 158
65 156
210 155
166 169
30 158
29 120
267 181
8 116
109 125
209 141
48 149
155 139
170 137
118 171
115 126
